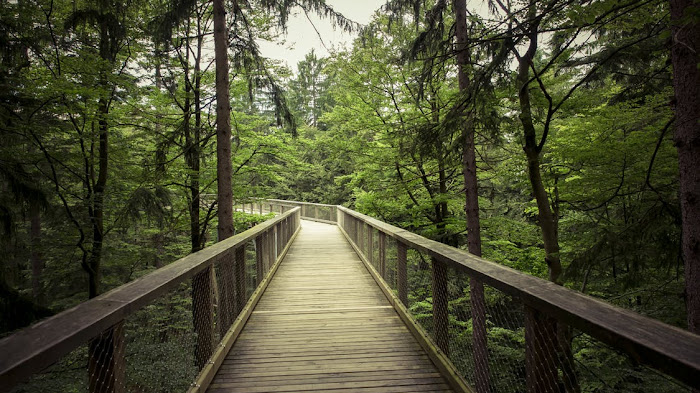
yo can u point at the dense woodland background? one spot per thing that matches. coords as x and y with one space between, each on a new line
107 122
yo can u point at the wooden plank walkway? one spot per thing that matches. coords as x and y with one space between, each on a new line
324 325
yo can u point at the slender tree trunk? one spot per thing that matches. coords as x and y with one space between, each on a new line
223 123
106 352
36 255
97 217
560 338
191 154
476 288
685 56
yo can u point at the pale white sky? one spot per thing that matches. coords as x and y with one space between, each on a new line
301 36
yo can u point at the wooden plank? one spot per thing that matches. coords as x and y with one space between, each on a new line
322 324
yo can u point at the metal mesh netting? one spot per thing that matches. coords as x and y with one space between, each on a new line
162 346
485 331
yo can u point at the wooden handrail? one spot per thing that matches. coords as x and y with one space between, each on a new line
282 201
34 348
672 350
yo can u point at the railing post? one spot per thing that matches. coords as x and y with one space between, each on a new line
440 316
540 353
401 272
203 315
260 207
259 263
240 278
316 212
481 360
382 254
106 361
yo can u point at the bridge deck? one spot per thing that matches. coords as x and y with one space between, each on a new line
324 325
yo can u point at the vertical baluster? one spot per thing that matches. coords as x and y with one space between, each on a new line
540 354
440 318
401 272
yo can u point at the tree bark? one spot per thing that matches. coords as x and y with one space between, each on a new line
36 255
543 342
471 207
223 124
686 84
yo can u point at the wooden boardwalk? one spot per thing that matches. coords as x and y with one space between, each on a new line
324 325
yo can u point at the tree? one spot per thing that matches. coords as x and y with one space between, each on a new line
686 81
223 123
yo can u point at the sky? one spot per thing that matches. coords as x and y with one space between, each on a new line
301 36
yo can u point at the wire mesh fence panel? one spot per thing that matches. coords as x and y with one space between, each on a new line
601 368
390 264
419 290
69 374
161 344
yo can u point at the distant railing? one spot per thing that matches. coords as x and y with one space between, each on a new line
309 211
478 335
166 331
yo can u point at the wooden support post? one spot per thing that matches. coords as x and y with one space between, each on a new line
259 263
260 208
106 361
382 254
402 272
481 359
440 312
203 315
540 352
240 281
316 212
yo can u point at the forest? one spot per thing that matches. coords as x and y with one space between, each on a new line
559 138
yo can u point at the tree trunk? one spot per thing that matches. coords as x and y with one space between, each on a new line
223 123
36 255
556 338
476 288
191 154
686 84
97 216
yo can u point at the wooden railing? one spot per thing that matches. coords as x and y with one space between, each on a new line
545 308
217 281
